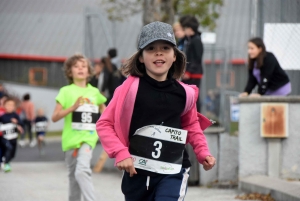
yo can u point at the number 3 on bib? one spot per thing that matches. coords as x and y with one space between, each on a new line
158 149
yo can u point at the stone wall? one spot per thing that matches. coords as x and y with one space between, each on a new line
224 148
254 150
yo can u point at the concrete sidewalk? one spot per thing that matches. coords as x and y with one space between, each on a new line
47 181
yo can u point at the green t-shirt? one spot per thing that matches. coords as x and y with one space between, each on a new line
68 95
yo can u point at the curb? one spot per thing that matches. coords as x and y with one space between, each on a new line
279 189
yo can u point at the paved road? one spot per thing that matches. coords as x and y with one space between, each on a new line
35 178
47 181
52 149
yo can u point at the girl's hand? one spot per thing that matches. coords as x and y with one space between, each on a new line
127 165
13 120
209 163
244 94
255 95
77 103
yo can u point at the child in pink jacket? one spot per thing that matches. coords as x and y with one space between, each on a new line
150 119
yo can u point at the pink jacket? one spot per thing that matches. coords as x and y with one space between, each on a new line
114 124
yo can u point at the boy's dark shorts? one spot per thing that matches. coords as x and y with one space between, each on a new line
40 134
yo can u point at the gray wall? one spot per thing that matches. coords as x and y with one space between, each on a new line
224 148
253 149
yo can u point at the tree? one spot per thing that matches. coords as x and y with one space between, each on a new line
158 10
165 10
205 10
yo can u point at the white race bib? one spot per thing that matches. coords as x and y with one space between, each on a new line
41 126
158 149
9 131
85 117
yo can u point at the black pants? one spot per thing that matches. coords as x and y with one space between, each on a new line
9 148
27 128
167 187
196 82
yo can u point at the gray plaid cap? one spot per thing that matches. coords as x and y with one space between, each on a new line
155 31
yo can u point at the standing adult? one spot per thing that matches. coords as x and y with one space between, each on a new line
28 111
265 72
102 78
115 75
113 55
194 52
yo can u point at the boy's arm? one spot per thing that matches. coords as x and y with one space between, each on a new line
16 120
19 120
20 129
60 113
19 123
102 107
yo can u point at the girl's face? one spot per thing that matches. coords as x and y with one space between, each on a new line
10 106
253 50
158 58
80 70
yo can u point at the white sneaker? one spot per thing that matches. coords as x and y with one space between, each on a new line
32 143
22 143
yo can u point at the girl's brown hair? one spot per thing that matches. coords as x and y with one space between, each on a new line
71 61
258 42
134 67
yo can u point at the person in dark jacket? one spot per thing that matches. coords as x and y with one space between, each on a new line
100 78
106 77
194 51
265 72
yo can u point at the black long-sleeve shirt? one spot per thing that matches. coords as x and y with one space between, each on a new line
6 118
194 53
157 103
272 76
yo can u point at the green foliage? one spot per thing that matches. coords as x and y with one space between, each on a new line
119 10
206 11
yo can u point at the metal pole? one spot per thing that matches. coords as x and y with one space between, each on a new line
91 41
104 27
85 45
114 32
88 29
261 18
223 88
253 12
